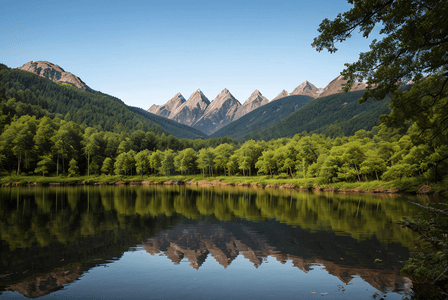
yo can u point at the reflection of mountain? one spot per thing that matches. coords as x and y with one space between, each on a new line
48 283
196 242
342 256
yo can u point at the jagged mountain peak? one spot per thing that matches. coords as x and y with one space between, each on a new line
166 109
281 95
255 100
219 113
256 96
198 96
55 73
308 89
224 94
190 111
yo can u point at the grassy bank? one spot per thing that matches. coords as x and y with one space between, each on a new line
407 185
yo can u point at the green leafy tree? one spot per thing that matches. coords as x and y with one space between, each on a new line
44 165
73 169
248 155
353 156
156 160
413 44
373 164
232 164
266 162
67 142
108 166
91 144
142 162
205 160
18 138
43 138
125 163
222 156
167 162
185 160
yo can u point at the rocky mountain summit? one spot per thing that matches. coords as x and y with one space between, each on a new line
55 73
191 111
165 110
307 89
253 102
282 94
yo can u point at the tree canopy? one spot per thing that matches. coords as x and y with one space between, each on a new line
414 41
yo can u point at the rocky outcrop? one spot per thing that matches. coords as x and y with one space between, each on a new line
192 110
253 102
166 109
219 113
55 73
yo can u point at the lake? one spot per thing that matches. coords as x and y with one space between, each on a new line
186 242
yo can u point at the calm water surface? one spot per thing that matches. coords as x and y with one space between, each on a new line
177 242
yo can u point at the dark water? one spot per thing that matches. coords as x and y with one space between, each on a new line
176 242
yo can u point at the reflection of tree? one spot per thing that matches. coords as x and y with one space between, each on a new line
67 213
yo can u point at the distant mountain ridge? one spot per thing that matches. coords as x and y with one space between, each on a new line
209 117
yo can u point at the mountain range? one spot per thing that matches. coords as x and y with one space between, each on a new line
210 116
307 108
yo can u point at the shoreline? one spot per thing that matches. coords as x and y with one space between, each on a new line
423 190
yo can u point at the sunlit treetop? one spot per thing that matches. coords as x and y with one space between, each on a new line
414 41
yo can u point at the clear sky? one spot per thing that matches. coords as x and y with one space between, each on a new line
144 52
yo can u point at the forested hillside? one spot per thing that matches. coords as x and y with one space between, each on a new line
263 116
38 96
335 116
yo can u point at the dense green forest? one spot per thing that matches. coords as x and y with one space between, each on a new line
335 115
39 96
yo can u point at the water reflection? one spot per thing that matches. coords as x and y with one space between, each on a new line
51 236
342 256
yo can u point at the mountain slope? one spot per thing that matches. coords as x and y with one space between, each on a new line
263 116
335 115
88 108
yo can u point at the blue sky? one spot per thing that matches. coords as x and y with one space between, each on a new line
144 52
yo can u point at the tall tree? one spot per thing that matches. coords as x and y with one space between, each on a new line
414 46
91 144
